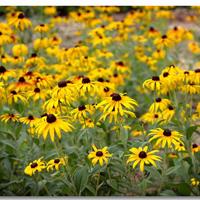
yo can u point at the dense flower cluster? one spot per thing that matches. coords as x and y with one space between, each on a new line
121 86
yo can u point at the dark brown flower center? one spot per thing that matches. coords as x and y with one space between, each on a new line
100 79
106 89
2 69
33 55
167 132
197 70
42 25
164 37
62 84
51 118
56 161
155 78
156 116
21 16
37 90
99 153
116 97
85 80
21 80
152 29
186 72
82 107
165 74
34 165
158 99
120 63
30 117
115 75
13 92
170 107
142 154
194 146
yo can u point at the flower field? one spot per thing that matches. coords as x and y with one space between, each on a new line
99 101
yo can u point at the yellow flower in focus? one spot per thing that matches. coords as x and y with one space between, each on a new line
99 155
56 163
142 156
35 166
51 124
117 104
165 137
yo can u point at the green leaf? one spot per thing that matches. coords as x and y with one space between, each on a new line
190 131
81 178
183 189
172 169
167 193
112 183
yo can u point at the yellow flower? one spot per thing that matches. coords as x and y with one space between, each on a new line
168 113
99 155
20 50
56 163
165 137
35 166
4 73
82 111
9 117
195 148
151 117
40 43
153 84
52 124
20 22
31 120
194 181
159 104
42 28
140 155
117 104
50 10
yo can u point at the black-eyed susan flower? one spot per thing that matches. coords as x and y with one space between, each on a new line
163 41
29 120
41 28
51 124
99 155
142 156
179 146
50 10
15 96
194 182
117 104
20 50
14 117
86 86
37 94
168 113
153 84
82 112
165 137
56 163
195 148
20 22
5 73
160 104
151 117
35 166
